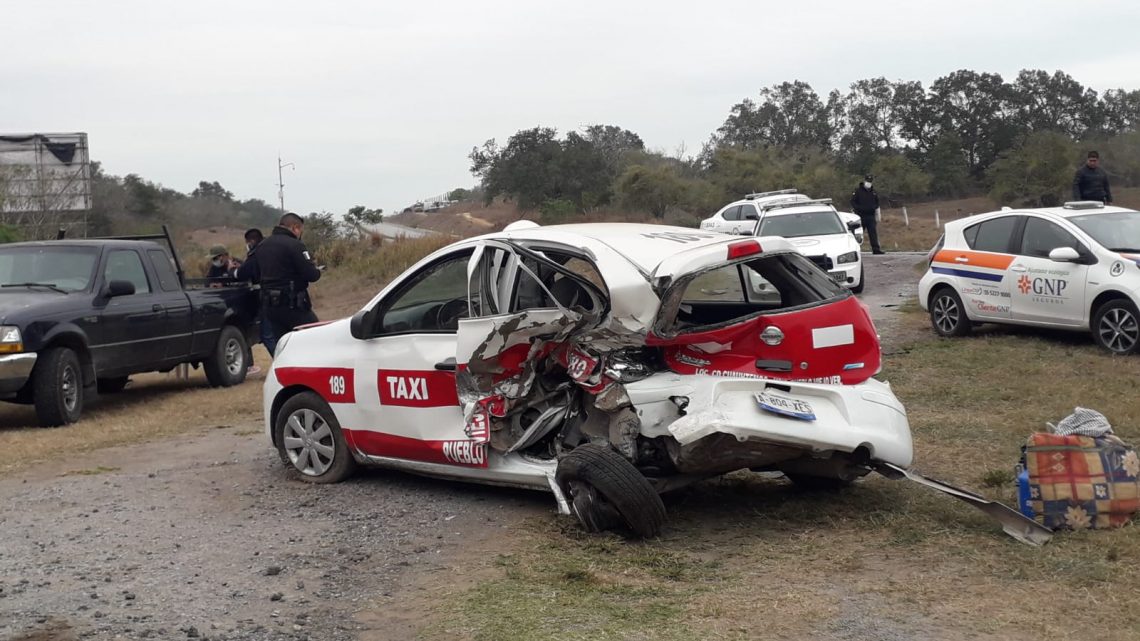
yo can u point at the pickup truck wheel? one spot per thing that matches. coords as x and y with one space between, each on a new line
58 387
227 365
112 385
606 490
309 440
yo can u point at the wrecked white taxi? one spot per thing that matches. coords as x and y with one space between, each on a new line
606 363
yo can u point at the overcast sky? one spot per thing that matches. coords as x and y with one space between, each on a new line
379 102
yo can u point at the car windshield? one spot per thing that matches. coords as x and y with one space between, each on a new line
1117 231
62 267
812 223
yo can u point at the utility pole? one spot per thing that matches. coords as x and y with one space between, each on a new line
281 181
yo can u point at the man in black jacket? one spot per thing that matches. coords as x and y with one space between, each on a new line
249 272
865 202
1091 182
286 269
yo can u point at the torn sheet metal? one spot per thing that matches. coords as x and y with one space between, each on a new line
1014 523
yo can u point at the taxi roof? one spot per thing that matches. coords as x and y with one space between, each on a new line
646 246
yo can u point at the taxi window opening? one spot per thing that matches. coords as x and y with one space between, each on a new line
731 293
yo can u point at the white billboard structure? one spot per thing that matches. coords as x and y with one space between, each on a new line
45 182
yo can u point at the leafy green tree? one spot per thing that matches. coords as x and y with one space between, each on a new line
979 107
1120 112
1054 103
1037 174
946 164
898 177
211 190
459 194
788 115
652 189
9 234
613 143
361 215
525 169
866 122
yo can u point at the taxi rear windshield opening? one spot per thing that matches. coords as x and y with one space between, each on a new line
731 293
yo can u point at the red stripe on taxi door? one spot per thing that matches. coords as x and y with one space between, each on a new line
334 384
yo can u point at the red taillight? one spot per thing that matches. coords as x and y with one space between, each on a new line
743 248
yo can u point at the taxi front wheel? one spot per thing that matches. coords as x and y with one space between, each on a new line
309 440
947 315
1116 327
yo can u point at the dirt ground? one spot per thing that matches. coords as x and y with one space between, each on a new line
205 536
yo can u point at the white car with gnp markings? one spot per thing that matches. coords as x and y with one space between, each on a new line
1072 267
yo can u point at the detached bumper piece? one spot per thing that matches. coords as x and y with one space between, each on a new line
1014 523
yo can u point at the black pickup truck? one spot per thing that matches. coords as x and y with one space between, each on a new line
83 315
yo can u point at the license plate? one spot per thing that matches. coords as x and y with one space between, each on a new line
784 406
839 277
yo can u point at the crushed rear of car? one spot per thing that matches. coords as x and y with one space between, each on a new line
727 356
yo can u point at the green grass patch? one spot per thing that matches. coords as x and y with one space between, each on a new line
747 556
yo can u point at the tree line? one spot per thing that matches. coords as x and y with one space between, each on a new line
968 133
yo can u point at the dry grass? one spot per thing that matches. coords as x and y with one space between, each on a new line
747 557
153 406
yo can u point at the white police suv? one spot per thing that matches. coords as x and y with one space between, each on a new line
1072 267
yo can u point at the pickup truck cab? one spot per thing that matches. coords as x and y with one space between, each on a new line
83 315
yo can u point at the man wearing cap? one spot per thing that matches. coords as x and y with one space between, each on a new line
865 203
286 269
1091 182
222 266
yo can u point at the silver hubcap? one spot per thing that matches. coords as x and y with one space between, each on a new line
1119 330
946 314
234 357
68 384
309 443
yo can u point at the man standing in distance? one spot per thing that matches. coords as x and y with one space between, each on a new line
865 203
1091 182
286 269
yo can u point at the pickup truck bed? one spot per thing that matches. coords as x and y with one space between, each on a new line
80 315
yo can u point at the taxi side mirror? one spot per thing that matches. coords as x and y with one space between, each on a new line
363 324
1064 255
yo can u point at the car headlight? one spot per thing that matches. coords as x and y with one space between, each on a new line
10 339
849 257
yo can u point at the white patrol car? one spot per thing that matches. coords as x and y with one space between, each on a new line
1072 267
740 217
817 231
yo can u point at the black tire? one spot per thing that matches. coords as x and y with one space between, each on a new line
947 314
57 382
858 289
811 483
227 365
112 385
1116 327
333 467
604 490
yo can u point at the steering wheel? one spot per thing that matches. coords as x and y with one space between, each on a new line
448 314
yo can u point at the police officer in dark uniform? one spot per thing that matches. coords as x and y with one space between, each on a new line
286 269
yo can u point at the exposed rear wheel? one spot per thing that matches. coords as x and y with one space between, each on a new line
310 441
947 315
606 491
1116 327
58 387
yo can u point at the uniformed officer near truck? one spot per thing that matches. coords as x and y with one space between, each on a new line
286 269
